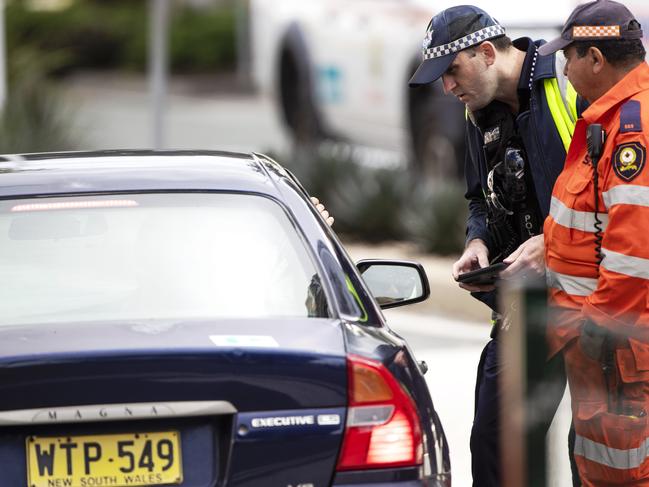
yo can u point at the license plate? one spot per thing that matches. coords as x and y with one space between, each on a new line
129 459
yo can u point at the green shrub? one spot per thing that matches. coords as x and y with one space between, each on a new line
203 40
34 118
114 35
92 35
435 217
382 204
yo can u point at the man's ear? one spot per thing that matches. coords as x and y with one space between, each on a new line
488 51
597 59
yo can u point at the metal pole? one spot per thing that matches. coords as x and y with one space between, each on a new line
158 66
3 58
527 383
242 12
513 385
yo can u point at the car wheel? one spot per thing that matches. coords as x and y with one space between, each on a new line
296 99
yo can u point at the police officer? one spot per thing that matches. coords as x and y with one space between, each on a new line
520 117
597 245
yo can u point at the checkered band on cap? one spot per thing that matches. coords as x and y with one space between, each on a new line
585 31
464 42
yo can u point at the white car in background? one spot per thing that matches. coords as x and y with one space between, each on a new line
340 69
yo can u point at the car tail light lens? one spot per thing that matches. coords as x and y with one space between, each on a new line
383 428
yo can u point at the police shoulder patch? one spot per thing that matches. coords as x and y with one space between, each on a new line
629 160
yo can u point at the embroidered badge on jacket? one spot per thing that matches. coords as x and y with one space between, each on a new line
629 160
492 135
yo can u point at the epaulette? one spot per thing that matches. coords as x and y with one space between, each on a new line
630 119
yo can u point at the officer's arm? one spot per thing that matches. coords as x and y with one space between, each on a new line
476 227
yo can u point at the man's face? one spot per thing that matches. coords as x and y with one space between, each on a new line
469 80
579 72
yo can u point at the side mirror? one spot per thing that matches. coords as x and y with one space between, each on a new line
394 282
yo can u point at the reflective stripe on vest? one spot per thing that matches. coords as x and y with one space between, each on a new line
562 104
573 285
571 98
625 264
352 289
577 220
611 457
563 107
627 194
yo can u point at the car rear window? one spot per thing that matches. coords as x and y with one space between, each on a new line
153 256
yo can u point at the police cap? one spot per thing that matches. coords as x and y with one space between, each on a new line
448 33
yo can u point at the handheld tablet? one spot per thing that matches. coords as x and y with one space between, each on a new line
486 275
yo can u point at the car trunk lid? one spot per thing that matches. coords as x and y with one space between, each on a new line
277 391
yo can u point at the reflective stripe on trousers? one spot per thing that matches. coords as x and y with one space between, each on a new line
611 457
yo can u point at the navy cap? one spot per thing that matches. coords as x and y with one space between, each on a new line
598 20
448 33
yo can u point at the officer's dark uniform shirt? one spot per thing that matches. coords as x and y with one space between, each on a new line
488 133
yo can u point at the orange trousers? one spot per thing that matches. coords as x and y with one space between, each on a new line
610 418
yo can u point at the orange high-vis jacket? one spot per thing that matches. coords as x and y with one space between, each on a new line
613 294
611 448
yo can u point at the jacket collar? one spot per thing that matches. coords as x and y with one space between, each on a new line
634 82
544 66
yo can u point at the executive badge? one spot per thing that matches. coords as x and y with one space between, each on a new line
628 160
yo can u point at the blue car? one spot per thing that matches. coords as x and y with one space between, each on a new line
188 318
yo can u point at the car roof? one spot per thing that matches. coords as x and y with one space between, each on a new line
53 173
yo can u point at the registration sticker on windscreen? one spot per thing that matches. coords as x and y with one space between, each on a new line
130 459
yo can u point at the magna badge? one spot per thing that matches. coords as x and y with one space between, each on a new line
629 160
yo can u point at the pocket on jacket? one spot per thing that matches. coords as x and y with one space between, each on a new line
640 352
587 410
582 202
578 182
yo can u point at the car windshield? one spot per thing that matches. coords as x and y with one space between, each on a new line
153 256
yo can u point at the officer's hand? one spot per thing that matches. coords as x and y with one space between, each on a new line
527 260
323 211
475 256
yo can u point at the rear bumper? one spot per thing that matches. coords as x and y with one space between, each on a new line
400 477
409 483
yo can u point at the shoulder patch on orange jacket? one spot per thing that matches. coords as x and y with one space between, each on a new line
630 119
629 160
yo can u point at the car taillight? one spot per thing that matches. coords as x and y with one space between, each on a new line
383 427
